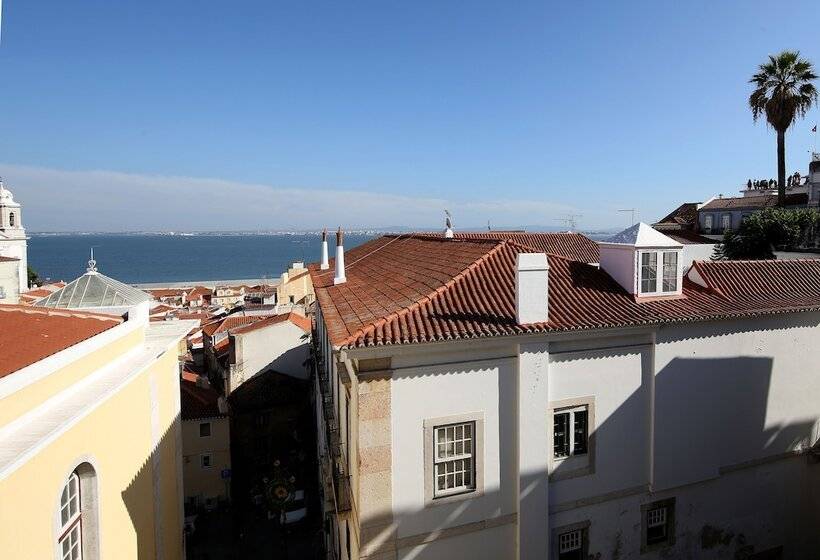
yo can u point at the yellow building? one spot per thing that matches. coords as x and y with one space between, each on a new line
90 453
206 444
295 286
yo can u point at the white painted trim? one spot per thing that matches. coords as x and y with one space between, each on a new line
33 373
695 276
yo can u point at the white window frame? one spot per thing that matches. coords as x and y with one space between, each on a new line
466 458
571 411
571 466
71 530
577 532
210 464
434 497
210 429
641 255
659 272
665 518
662 280
724 218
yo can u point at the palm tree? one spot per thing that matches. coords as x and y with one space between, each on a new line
783 91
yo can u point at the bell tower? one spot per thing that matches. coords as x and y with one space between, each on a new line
13 240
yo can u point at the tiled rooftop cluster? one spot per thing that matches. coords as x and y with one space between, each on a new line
420 288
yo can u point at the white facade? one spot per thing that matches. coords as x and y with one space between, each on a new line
718 416
281 347
13 240
9 281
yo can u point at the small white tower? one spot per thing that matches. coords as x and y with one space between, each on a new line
13 240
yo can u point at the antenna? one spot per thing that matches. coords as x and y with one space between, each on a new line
570 221
632 214
489 227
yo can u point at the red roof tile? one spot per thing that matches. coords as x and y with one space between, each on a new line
754 202
231 322
573 246
684 215
413 289
687 237
198 402
299 320
29 334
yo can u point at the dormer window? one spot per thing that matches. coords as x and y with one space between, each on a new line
649 272
670 271
650 282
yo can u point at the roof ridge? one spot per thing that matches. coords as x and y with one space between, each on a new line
427 298
58 312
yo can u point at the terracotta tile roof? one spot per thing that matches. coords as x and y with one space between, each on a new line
30 334
573 246
231 322
414 289
684 215
755 202
299 320
168 292
197 402
687 237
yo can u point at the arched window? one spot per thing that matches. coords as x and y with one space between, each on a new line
77 537
71 520
11 219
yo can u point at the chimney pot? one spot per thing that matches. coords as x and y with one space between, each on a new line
340 277
531 288
324 264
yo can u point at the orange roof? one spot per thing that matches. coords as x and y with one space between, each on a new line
299 320
415 288
199 291
231 322
37 293
30 334
573 246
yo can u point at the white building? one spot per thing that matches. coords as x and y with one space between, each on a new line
482 400
13 240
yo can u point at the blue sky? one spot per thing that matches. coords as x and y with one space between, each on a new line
303 114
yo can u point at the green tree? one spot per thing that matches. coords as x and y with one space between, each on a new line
763 232
783 92
33 277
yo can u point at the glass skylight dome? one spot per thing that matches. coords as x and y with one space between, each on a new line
94 290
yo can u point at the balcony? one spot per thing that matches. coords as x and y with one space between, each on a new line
341 482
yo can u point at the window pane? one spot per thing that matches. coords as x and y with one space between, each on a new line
649 272
670 271
561 434
580 447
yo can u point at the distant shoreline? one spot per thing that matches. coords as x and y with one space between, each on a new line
207 283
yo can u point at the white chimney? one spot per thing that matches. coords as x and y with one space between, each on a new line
324 265
340 258
531 288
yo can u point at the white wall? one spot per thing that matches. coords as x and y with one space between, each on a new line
9 282
619 262
734 391
424 392
696 252
619 379
279 347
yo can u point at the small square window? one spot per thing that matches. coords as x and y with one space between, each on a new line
205 429
205 461
657 524
570 542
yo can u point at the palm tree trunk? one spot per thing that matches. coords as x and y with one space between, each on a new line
781 167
